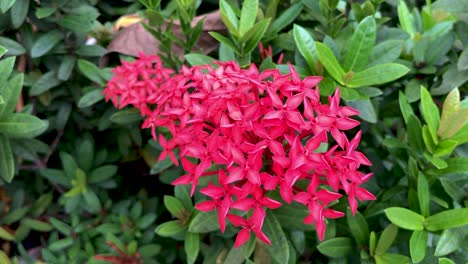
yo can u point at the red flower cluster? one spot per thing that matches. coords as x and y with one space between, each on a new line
258 132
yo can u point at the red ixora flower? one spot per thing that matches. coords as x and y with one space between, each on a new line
262 131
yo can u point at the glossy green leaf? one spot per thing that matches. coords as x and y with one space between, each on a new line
405 107
229 17
168 229
414 133
45 43
11 94
90 98
386 239
423 194
6 68
329 61
204 223
18 12
392 258
366 109
358 227
361 46
405 218
450 108
126 116
418 244
174 206
445 147
376 75
454 165
406 19
447 219
306 45
20 125
192 246
199 59
6 4
91 71
227 42
336 247
385 52
429 110
279 250
252 37
445 261
286 18
449 241
248 16
14 48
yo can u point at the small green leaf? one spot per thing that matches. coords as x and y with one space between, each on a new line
18 12
6 68
406 19
62 227
204 223
385 52
445 147
174 206
46 82
192 246
252 37
168 229
37 225
450 240
248 16
376 75
386 239
447 219
286 18
13 47
392 258
414 133
150 250
5 5
20 125
45 43
7 163
429 110
405 218
227 42
90 98
423 194
11 94
91 71
199 59
92 201
61 244
361 45
127 116
329 61
336 247
2 52
44 12
4 234
405 107
229 18
279 250
66 67
418 244
445 261
358 227
366 109
306 45
449 110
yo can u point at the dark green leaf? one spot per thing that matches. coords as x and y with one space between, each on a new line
6 4
286 18
61 244
386 239
13 47
37 225
91 51
204 223
279 250
385 52
150 250
376 75
90 98
414 133
127 116
405 218
418 244
423 194
66 67
358 227
55 176
192 246
6 68
19 12
361 45
91 71
45 43
366 109
4 234
146 220
336 247
44 83
20 125
93 204
44 12
62 227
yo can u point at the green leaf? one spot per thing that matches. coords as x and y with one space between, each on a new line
5 5
61 244
358 227
450 240
286 18
46 82
127 116
252 37
146 220
423 195
445 147
291 216
306 45
462 60
90 98
18 12
6 68
91 51
78 22
279 250
37 225
11 94
361 46
418 244
5 235
445 261
150 250
69 164
450 108
406 19
204 222
199 59
44 12
192 246
55 176
379 74
91 71
430 112
329 61
248 16
336 247
92 201
66 67
2 52
405 218
174 206
168 229
13 47
454 165
45 43
405 107
385 52
366 109
447 219
392 258
229 18
102 173
372 243
62 227
386 239
227 42
20 125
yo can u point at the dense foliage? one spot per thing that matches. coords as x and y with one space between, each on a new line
239 152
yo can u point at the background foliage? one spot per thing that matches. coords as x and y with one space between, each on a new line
80 181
